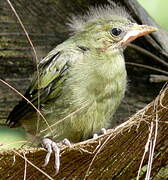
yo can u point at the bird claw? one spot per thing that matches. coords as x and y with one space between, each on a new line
67 143
52 146
103 131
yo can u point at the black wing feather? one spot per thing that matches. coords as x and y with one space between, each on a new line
24 107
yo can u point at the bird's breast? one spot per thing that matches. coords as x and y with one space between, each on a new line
97 79
100 85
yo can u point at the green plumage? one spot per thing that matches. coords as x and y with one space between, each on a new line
81 82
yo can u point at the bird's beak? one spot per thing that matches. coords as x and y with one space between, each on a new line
137 31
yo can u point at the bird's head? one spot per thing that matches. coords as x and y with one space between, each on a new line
107 28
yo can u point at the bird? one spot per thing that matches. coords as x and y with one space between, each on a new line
81 82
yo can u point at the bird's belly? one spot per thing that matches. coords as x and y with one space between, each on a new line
79 122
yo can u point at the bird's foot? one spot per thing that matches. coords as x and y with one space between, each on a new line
52 146
103 131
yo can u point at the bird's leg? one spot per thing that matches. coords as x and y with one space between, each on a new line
52 146
103 131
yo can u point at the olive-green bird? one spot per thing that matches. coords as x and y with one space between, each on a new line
82 81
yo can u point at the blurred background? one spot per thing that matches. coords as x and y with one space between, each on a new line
158 9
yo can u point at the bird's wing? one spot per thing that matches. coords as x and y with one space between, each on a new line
48 83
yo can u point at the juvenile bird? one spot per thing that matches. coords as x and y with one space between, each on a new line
82 81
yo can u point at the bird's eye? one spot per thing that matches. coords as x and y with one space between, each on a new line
116 31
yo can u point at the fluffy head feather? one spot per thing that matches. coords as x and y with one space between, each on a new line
77 23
